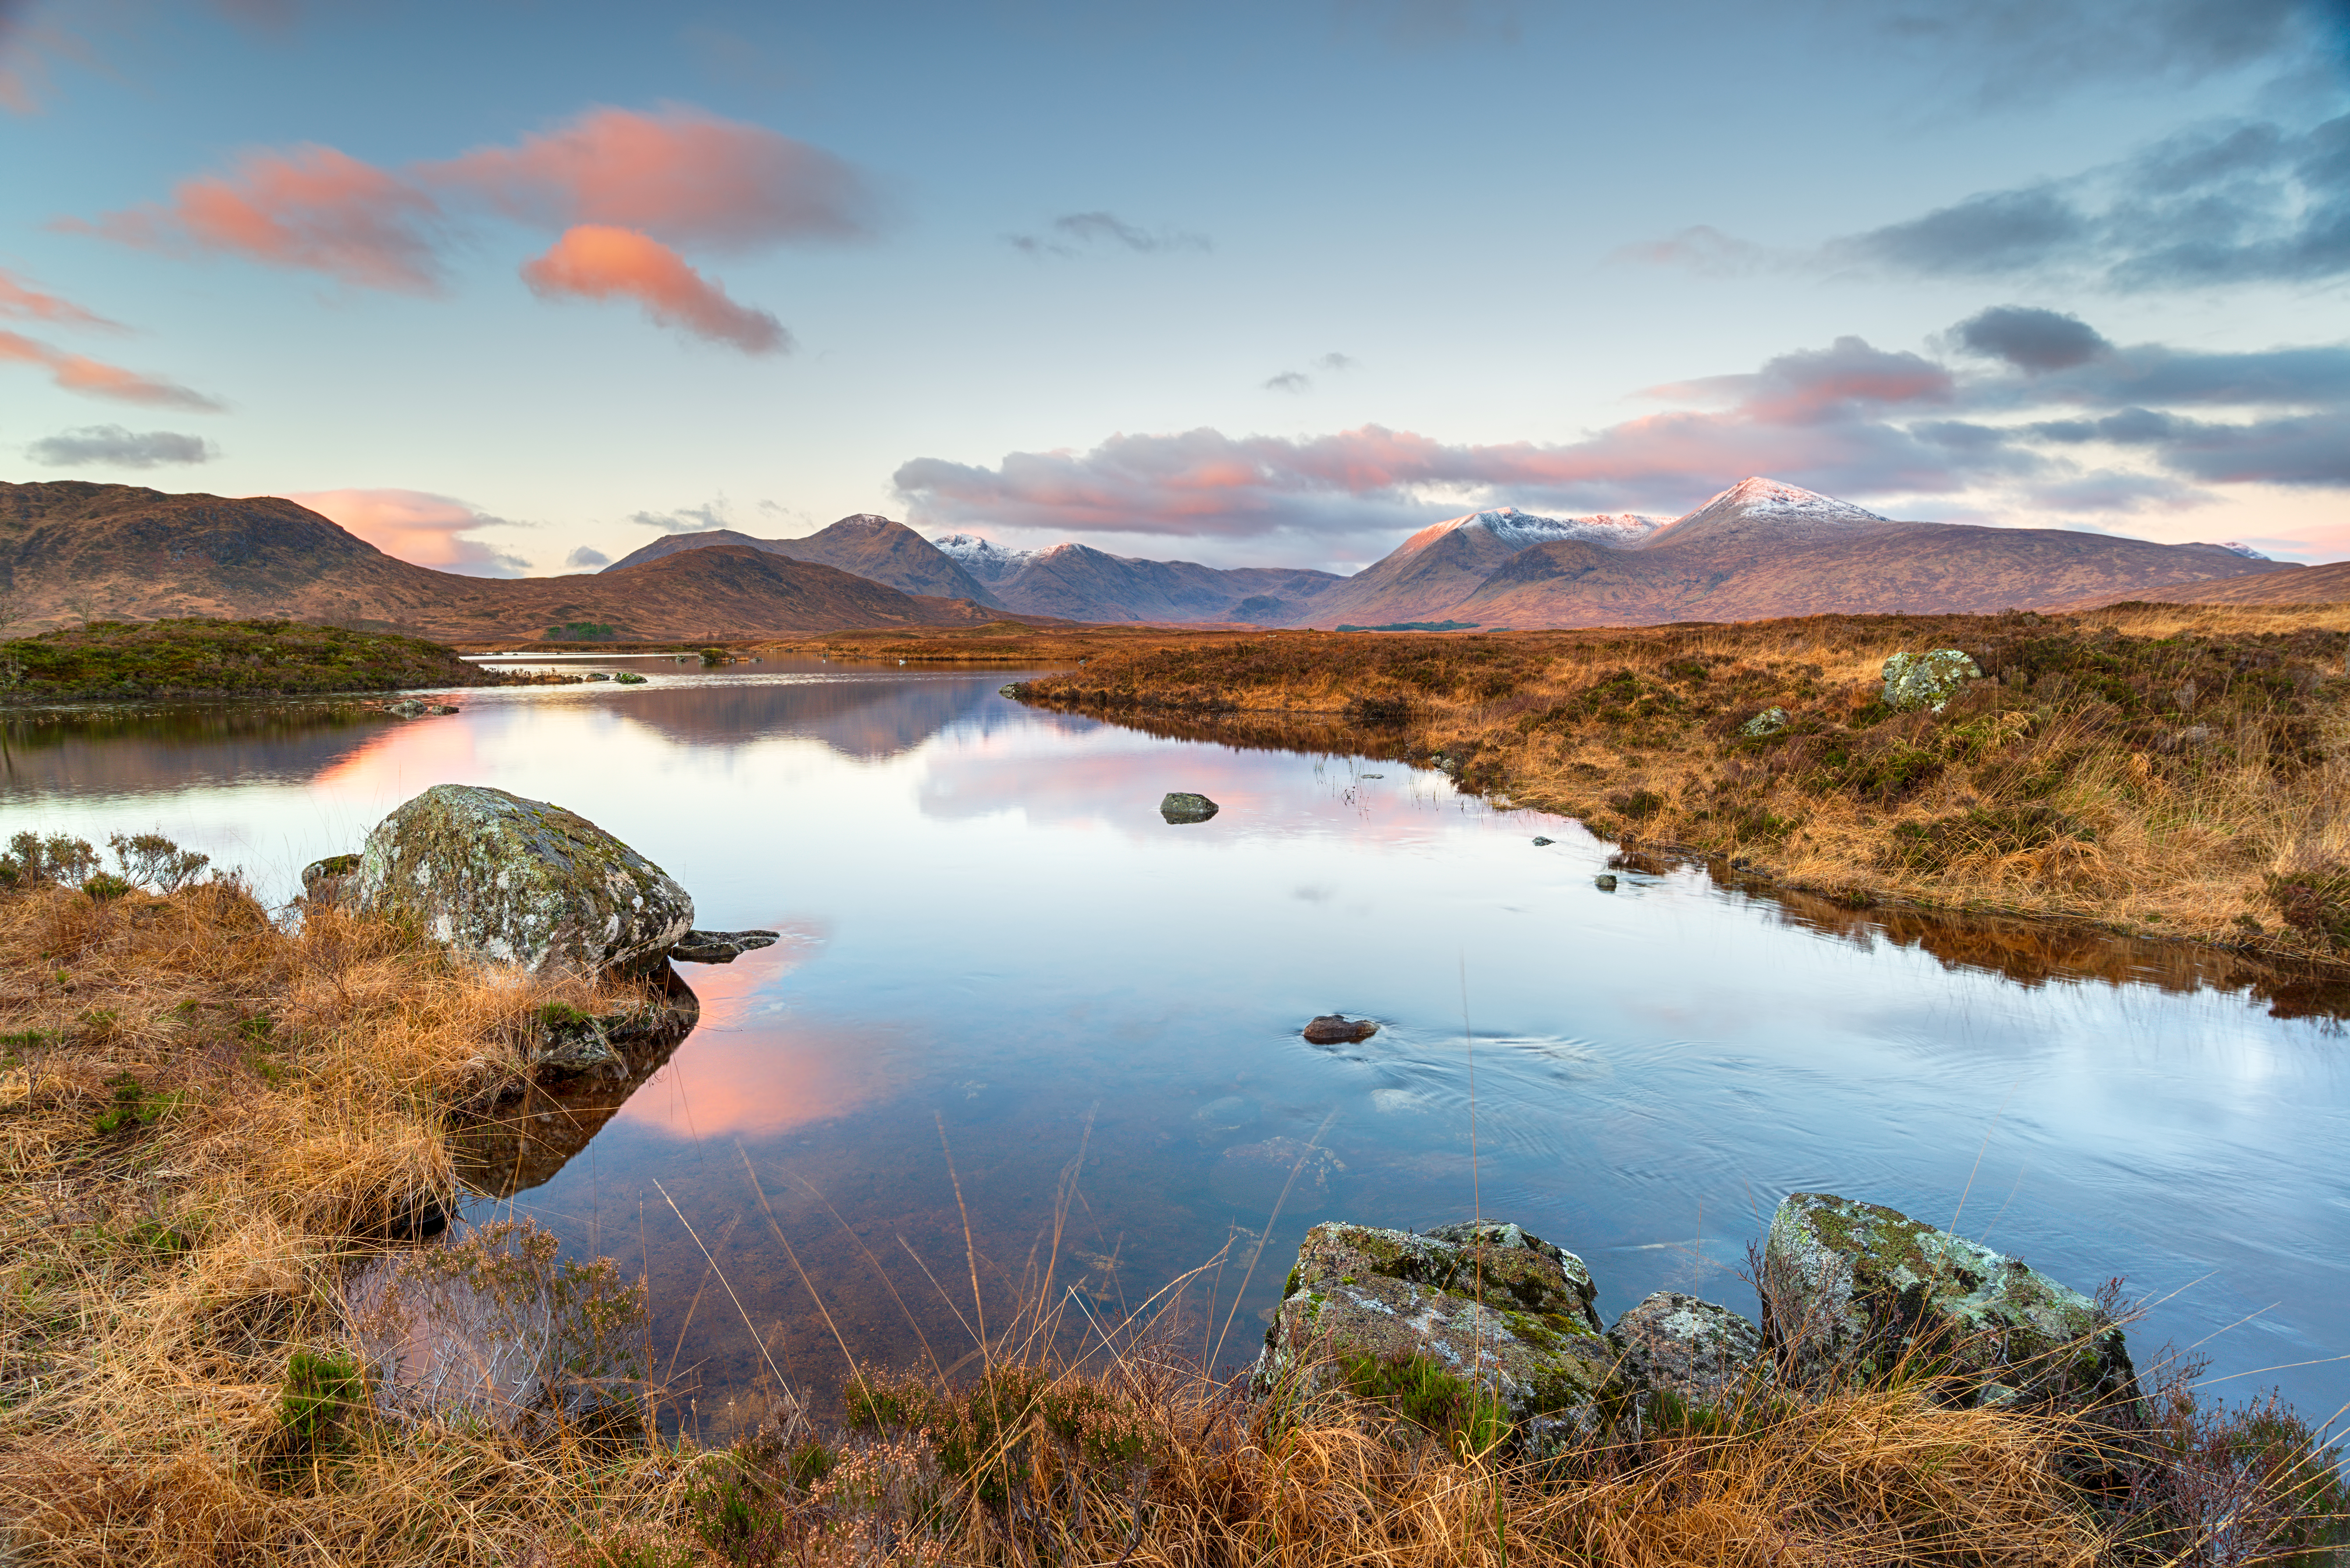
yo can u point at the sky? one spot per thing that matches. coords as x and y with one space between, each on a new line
508 287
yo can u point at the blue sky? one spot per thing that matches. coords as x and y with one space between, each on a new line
504 285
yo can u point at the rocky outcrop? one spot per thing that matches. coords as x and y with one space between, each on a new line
1336 1029
1486 1305
719 946
329 881
503 879
1701 1356
1927 679
1858 1293
1182 807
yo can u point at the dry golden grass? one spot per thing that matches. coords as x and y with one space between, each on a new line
210 1126
2168 770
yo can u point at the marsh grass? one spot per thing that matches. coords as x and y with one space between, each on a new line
219 1133
2166 770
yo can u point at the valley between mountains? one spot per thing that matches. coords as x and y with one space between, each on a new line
75 552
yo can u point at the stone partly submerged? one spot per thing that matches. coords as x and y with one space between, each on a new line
1856 1291
719 946
1486 1305
504 879
1927 679
1180 805
1337 1029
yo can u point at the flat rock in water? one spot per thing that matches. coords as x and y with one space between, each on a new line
1605 882
503 879
1485 1303
1854 1290
1705 1356
1336 1029
719 946
1540 841
1183 806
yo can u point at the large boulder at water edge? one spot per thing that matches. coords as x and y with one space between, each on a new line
1484 1303
1706 1357
508 880
1859 1291
1927 679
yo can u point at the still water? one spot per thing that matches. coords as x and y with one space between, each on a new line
999 970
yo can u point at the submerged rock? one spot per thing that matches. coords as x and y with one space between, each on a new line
1927 679
1604 881
1540 841
719 946
1701 1355
508 880
1279 1170
1486 1304
1855 1290
1183 806
1336 1029
1769 721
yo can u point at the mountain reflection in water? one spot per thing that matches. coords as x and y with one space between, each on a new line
1002 968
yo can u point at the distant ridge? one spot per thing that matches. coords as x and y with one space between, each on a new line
863 542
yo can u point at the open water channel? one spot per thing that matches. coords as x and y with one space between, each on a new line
1000 966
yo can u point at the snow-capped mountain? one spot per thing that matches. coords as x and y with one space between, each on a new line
1516 530
1759 497
985 559
2246 551
1765 513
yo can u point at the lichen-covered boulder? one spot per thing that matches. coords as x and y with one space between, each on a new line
504 879
1182 805
328 881
1768 722
1485 1303
1705 1356
1857 1291
1927 679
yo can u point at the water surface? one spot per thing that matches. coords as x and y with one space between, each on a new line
1002 970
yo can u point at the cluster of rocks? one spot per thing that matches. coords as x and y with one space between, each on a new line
1851 1293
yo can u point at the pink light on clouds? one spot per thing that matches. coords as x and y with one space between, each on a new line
96 379
416 526
686 176
25 303
595 261
310 207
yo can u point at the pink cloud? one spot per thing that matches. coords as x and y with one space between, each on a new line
20 300
416 526
93 378
595 261
310 207
685 176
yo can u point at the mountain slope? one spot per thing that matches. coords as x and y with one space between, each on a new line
870 545
2287 583
121 552
1445 562
1078 582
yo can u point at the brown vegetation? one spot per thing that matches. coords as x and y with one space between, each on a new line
2166 770
218 1137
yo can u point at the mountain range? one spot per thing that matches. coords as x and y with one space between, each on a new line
1758 549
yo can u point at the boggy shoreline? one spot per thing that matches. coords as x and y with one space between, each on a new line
2166 773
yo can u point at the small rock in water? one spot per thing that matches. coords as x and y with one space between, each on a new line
1370 775
1180 805
1336 1029
627 677
719 946
1232 1111
410 709
1605 882
1540 840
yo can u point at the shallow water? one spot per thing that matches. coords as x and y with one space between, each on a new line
996 955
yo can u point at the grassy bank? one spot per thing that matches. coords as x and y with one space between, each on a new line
2166 769
197 658
221 1139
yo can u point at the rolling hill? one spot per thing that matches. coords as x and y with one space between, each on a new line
868 546
121 552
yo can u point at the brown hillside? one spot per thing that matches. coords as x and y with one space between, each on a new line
120 552
1913 568
2325 585
870 545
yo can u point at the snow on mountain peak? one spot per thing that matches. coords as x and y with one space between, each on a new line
1520 529
982 558
2246 551
1759 497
